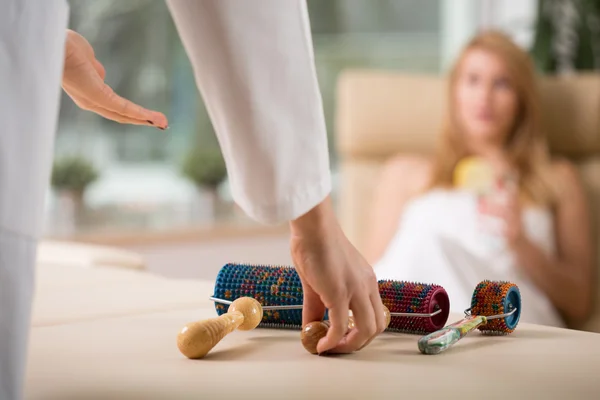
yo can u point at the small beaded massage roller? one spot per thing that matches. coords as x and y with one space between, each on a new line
495 310
258 296
413 308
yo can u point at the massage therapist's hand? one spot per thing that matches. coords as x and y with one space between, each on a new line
83 81
335 276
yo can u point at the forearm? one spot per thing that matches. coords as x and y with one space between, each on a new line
255 69
568 290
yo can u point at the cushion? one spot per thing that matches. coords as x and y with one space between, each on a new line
381 113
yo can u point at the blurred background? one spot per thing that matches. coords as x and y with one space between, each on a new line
165 193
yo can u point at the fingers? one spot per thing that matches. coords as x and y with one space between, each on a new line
83 80
98 97
378 313
508 212
111 101
118 117
365 326
380 318
313 308
88 89
377 304
338 317
492 208
99 69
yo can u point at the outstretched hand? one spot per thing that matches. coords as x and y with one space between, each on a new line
335 276
83 81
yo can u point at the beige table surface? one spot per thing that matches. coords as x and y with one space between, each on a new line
133 354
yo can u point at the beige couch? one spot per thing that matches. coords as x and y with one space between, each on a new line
380 114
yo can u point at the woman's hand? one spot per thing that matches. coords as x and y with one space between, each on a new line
83 81
335 276
505 205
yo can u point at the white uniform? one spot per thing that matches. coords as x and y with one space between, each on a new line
254 67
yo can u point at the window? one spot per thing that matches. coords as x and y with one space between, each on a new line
140 185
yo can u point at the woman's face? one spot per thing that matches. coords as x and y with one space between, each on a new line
486 102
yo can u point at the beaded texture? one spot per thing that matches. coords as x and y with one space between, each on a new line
410 297
490 298
270 285
275 285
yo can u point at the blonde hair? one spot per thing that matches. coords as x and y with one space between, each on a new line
526 144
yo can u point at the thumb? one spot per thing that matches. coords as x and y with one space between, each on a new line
313 308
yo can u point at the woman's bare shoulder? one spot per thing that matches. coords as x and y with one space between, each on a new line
565 170
566 177
413 170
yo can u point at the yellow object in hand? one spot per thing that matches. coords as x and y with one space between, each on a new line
473 173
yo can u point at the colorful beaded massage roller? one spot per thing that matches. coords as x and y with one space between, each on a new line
271 297
495 310
409 307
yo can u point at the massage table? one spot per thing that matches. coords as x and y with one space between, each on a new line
109 332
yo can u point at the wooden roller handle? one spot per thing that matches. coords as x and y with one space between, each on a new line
196 339
315 331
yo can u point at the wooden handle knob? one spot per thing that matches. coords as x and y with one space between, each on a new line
388 316
196 339
314 331
311 334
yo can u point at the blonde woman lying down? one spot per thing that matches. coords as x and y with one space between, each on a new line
533 225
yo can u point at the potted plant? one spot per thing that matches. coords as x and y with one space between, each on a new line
567 36
205 167
71 175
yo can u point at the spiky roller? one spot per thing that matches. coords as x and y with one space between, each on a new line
274 285
495 298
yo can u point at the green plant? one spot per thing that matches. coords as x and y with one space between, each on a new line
205 167
73 173
567 36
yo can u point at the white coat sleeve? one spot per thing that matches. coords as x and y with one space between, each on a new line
253 64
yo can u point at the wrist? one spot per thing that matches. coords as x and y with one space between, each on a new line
521 244
315 221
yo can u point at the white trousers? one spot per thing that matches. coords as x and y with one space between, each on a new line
32 34
253 63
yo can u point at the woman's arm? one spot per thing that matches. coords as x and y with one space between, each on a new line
402 177
567 278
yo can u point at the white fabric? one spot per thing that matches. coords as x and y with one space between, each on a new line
440 239
17 261
31 57
253 62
